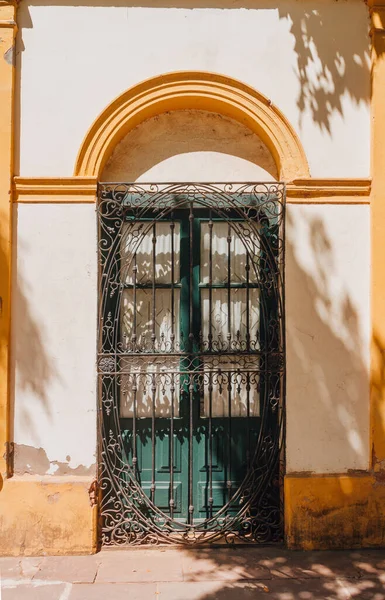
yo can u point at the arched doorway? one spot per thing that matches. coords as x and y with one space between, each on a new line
191 345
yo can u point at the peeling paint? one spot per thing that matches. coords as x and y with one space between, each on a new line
34 461
9 56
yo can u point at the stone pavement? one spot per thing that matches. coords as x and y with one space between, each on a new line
197 574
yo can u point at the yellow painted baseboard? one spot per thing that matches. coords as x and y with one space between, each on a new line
52 515
46 515
336 511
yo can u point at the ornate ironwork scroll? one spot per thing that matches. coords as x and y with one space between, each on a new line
191 362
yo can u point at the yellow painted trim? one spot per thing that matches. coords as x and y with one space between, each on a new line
377 400
7 80
47 515
54 190
84 189
329 191
334 511
193 90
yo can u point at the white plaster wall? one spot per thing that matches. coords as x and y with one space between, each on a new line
328 332
327 278
54 338
310 59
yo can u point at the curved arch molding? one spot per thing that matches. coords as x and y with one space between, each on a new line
199 91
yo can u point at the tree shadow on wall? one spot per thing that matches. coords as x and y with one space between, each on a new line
331 46
32 370
332 52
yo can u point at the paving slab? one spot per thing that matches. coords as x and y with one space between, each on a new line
365 589
303 565
73 569
115 591
369 562
237 573
19 568
34 592
140 566
188 590
280 589
228 564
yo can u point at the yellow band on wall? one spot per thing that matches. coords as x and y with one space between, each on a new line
7 77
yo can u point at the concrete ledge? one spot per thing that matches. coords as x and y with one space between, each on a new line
46 515
334 512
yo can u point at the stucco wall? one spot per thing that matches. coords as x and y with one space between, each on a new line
310 59
328 333
54 339
54 312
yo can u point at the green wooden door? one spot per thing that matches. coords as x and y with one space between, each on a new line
212 437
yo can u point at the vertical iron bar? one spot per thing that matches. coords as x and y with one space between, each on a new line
172 227
191 379
191 495
229 431
247 268
210 336
153 387
211 500
229 347
228 287
171 501
153 335
248 417
134 456
133 337
191 235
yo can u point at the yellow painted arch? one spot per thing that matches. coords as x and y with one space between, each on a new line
199 91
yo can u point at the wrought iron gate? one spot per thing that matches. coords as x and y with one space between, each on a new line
191 362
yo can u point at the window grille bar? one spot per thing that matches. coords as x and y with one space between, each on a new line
247 268
210 440
229 458
134 454
171 500
191 380
153 335
190 452
229 287
210 333
171 451
153 439
191 307
172 231
248 417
